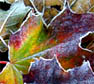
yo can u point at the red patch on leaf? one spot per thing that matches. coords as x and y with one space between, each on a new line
67 29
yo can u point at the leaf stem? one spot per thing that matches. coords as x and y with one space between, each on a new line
3 62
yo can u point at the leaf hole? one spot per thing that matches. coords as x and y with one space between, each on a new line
56 7
3 57
5 6
87 42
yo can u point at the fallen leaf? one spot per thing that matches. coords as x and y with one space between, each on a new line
10 75
82 6
61 39
65 34
45 71
48 9
67 29
17 52
82 74
24 43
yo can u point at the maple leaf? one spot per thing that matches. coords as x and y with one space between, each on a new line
45 71
62 39
21 46
65 32
10 75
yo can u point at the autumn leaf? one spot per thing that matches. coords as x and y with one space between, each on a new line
24 43
68 28
19 50
48 9
39 4
10 75
82 6
30 39
61 39
45 71
65 34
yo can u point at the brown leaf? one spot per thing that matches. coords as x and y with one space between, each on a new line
82 6
51 8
